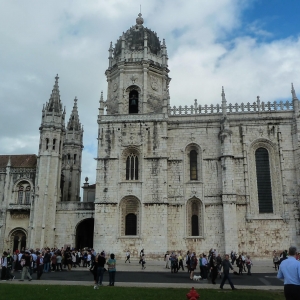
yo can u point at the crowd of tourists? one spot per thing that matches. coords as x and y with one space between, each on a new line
280 256
55 260
46 260
210 265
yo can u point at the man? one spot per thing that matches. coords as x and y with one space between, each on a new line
290 271
26 262
34 257
100 263
213 268
219 264
4 266
141 256
47 258
127 256
204 267
39 265
226 265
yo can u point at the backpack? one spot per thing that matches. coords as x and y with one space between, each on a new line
9 261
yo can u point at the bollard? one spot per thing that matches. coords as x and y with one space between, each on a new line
192 295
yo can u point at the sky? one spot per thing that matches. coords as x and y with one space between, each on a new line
251 47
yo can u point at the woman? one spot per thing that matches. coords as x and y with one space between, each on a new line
111 269
239 263
193 265
275 260
58 261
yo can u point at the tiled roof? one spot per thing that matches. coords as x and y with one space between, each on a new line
18 161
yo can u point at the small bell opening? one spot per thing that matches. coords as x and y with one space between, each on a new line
133 102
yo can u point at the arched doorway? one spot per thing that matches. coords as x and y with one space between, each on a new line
85 234
18 240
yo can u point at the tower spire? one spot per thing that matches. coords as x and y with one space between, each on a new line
74 123
54 104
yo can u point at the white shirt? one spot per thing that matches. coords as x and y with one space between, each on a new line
4 261
33 256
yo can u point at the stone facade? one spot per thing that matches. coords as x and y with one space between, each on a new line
158 139
168 178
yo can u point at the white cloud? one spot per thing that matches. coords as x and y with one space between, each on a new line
71 38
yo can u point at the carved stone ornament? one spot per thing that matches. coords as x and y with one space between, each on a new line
154 82
112 105
133 138
115 86
154 103
19 216
133 78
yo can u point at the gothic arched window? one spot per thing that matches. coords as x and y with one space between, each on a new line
194 217
263 176
132 167
133 102
129 216
193 165
20 194
130 224
27 195
23 190
195 225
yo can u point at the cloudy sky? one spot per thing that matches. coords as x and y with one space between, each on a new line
250 47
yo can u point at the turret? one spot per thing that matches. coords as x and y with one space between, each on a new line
72 156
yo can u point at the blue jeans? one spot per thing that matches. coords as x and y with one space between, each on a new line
112 275
46 267
226 276
100 272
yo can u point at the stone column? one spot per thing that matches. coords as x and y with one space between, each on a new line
228 190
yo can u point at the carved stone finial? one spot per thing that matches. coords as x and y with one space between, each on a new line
224 102
293 92
9 162
86 179
139 20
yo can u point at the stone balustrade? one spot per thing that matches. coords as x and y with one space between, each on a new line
231 108
14 206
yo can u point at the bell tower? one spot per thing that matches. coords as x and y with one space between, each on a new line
132 140
137 75
47 192
72 156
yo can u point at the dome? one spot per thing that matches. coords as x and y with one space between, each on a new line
134 39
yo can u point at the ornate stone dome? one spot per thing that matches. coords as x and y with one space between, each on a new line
134 39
